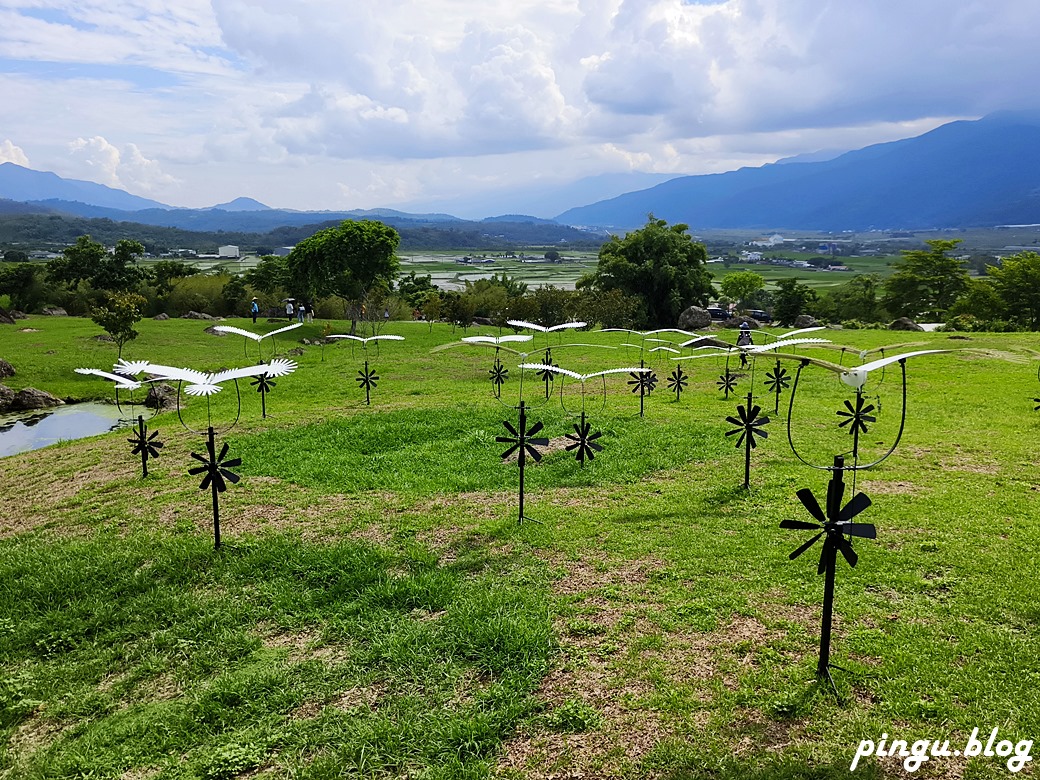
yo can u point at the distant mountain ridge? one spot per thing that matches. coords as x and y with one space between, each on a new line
27 185
961 174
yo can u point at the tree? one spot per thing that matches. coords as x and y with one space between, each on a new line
118 317
269 276
857 299
791 299
23 284
552 256
741 286
345 261
660 264
233 293
553 305
1017 281
15 256
165 272
414 289
88 261
926 281
610 309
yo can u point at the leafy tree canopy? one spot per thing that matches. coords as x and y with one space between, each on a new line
1017 281
118 317
87 260
926 281
346 261
660 264
741 285
791 299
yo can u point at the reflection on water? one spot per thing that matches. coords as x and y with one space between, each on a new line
24 431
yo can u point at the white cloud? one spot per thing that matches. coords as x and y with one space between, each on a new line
13 154
125 169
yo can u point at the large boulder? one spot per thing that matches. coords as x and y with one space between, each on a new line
6 369
197 315
694 318
805 321
735 322
30 398
904 323
161 397
212 332
6 398
6 318
161 317
18 315
54 311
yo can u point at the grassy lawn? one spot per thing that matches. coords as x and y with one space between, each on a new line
377 611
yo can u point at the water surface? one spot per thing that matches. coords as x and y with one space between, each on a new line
23 431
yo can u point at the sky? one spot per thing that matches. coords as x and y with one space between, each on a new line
326 104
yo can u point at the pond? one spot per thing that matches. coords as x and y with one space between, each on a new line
23 431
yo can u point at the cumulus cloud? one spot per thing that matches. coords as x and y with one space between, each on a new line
13 154
125 168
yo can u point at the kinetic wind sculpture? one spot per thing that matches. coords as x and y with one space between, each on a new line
677 382
216 466
834 525
145 445
257 337
749 426
367 378
264 383
524 443
498 373
776 382
644 383
583 440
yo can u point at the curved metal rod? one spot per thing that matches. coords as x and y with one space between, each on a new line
238 413
855 467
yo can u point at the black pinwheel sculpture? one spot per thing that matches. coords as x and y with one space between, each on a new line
523 443
677 382
498 374
642 382
368 380
1037 402
264 383
217 470
727 382
145 445
856 417
749 426
777 381
546 374
834 526
584 444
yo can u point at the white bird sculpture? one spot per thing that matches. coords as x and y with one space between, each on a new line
257 337
201 383
364 341
542 328
581 377
122 382
496 340
856 376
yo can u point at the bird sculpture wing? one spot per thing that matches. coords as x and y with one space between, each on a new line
122 382
387 337
525 324
553 369
889 347
670 330
236 373
639 370
786 343
707 341
566 326
798 332
238 331
666 349
130 367
178 374
282 330
281 367
345 336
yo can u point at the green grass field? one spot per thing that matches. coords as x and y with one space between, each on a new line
377 611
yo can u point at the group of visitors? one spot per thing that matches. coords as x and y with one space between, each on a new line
303 310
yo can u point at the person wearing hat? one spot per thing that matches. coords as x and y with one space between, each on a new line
254 309
744 340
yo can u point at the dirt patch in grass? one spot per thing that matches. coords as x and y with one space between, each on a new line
587 575
881 487
33 734
559 444
368 696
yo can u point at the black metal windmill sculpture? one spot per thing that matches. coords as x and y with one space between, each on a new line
524 442
264 383
644 382
367 378
750 427
498 373
216 466
834 524
677 382
777 380
546 376
835 527
123 376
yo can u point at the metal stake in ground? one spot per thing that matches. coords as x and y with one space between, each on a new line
642 382
368 380
834 526
144 445
216 470
523 445
777 381
749 426
677 382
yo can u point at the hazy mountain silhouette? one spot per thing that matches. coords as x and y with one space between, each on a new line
962 174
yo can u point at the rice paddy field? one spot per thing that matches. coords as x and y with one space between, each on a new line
376 610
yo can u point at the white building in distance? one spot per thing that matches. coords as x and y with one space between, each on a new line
227 251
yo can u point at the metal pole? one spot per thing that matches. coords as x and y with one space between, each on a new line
213 486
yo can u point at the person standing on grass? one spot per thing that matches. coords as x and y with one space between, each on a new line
744 340
289 310
301 310
310 311
254 309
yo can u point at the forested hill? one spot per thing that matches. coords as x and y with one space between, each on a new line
49 229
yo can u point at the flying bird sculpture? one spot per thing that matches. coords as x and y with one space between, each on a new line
257 337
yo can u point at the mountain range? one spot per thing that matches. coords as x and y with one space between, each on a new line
962 174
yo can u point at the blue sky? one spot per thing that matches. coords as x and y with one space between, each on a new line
320 104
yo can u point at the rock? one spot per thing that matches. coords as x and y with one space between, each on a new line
957 337
161 317
212 332
805 321
31 398
6 318
54 311
162 397
904 323
694 318
196 315
6 398
18 315
102 337
734 322
295 352
6 369
483 321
